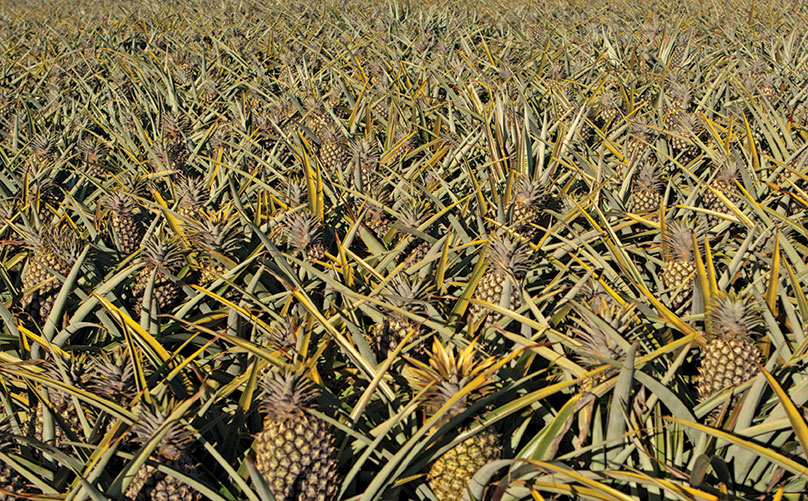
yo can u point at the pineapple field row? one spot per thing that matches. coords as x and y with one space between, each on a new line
403 250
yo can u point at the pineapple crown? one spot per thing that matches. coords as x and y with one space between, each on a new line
639 130
687 123
190 192
727 170
58 239
732 317
447 375
173 444
332 135
295 191
217 231
608 99
119 202
365 153
77 371
164 255
92 150
287 393
174 125
43 144
598 334
115 376
528 191
412 214
681 92
510 257
678 242
403 292
303 231
647 179
283 333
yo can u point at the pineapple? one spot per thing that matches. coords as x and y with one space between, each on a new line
678 55
191 195
165 259
366 164
508 263
407 295
530 202
295 452
599 344
731 357
216 235
149 483
645 196
724 182
123 222
679 262
446 375
639 141
377 220
304 235
677 105
94 155
607 110
78 372
54 249
317 118
333 152
412 216
686 131
11 482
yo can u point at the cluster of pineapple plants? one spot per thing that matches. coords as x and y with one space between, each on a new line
388 249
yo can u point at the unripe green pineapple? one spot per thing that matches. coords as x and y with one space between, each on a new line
295 452
444 377
645 196
165 259
54 249
508 263
149 483
123 221
678 262
405 294
731 357
723 182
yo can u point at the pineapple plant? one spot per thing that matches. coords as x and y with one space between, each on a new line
607 108
731 357
11 482
53 251
94 156
217 236
416 249
645 195
404 294
295 452
151 484
191 196
724 182
679 263
598 338
304 236
444 376
508 264
165 259
77 371
366 164
529 207
687 129
639 141
333 151
123 222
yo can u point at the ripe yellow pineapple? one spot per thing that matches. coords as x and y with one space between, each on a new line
645 196
679 262
446 375
295 452
54 249
508 263
149 483
731 357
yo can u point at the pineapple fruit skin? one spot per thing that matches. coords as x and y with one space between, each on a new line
727 363
449 476
677 275
297 458
150 484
